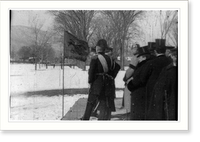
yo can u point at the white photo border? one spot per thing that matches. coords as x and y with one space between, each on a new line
182 124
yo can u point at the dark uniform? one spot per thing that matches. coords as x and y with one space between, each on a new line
102 85
164 103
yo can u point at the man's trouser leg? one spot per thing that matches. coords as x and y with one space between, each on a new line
88 111
104 111
108 115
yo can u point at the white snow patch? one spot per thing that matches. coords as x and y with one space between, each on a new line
41 107
24 78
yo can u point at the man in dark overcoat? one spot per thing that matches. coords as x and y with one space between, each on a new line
152 71
102 87
164 104
138 87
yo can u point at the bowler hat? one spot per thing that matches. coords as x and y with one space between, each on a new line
143 51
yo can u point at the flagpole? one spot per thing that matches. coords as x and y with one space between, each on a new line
63 91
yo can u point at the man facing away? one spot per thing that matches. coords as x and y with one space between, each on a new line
152 71
164 101
102 72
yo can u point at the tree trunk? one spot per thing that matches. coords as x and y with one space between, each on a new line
122 56
35 65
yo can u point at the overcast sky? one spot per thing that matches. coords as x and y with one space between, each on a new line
149 25
22 17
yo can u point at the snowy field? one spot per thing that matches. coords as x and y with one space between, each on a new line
24 78
41 107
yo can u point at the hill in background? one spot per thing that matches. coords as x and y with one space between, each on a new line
24 36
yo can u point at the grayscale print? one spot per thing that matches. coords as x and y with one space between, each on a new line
90 65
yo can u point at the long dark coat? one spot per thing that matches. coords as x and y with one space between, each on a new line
138 91
164 101
150 75
102 86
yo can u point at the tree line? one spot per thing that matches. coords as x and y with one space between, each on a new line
90 25
119 27
34 53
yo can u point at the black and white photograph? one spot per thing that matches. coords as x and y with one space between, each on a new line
89 65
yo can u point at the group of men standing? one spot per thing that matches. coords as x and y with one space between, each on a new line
154 83
152 79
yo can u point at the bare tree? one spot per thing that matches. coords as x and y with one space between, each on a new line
159 24
121 21
101 29
167 19
40 38
114 26
173 33
148 27
24 52
77 22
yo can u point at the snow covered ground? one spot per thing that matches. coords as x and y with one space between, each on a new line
41 107
24 78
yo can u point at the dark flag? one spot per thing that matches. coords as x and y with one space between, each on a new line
75 48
